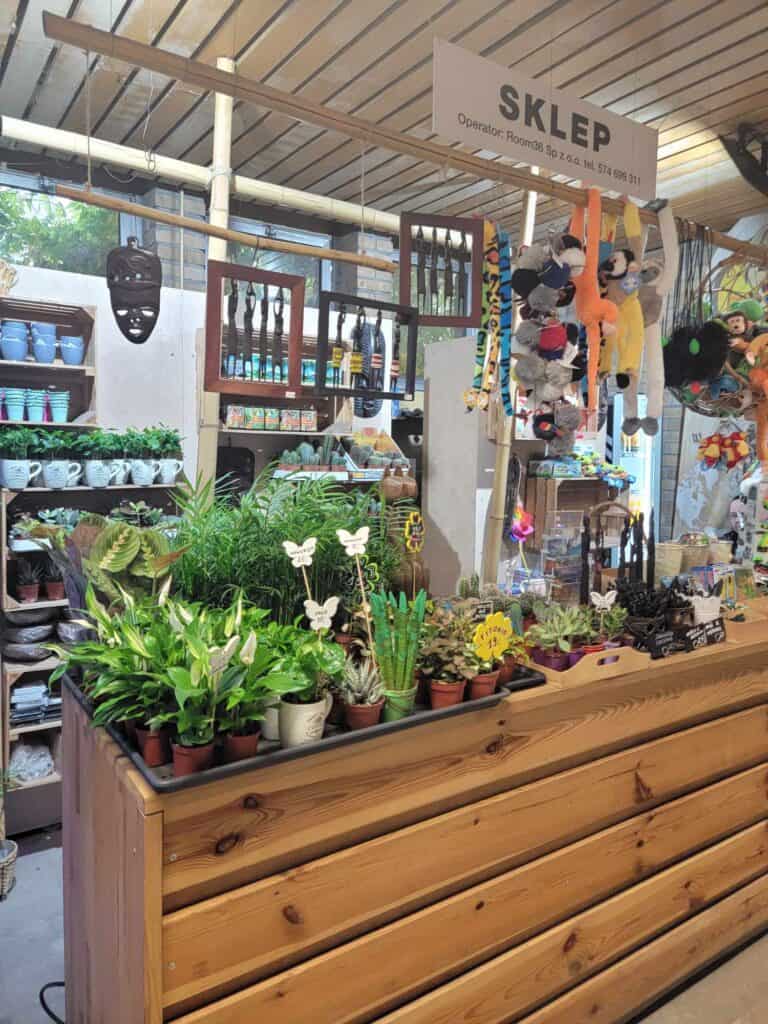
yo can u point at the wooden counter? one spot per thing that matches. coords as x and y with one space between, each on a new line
566 856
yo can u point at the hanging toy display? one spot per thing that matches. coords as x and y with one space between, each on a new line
599 315
723 449
521 523
134 278
620 277
488 335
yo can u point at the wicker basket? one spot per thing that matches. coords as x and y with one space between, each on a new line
8 853
720 551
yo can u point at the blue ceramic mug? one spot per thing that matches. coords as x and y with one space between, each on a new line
13 348
44 349
72 349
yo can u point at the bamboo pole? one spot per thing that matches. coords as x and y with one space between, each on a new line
249 90
218 215
494 529
92 198
196 176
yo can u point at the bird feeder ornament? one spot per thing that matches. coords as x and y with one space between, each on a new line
134 278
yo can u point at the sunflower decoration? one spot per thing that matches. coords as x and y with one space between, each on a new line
492 637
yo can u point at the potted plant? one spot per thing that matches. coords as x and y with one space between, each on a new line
361 691
16 446
28 578
315 663
52 448
53 582
552 637
97 448
140 447
169 456
245 695
397 628
515 654
447 660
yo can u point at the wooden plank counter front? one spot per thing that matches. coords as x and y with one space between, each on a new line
568 855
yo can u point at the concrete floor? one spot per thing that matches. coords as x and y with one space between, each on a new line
32 953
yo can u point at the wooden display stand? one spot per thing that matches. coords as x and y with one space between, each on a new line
573 848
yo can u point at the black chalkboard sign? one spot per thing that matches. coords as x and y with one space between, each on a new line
481 610
695 637
715 632
662 643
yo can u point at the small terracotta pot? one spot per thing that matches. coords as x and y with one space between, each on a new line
54 590
361 716
391 486
528 621
484 684
593 648
445 695
189 760
154 746
507 670
28 592
238 748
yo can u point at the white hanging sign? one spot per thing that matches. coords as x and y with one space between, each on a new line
486 106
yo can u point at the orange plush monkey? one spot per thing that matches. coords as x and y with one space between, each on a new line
591 309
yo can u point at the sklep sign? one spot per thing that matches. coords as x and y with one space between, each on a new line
487 106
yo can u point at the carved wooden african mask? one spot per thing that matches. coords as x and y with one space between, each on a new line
134 277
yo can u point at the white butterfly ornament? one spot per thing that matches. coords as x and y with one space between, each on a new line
603 602
321 615
354 543
300 554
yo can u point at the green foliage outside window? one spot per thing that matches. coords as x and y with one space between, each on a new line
39 230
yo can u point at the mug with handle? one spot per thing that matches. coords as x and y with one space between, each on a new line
169 470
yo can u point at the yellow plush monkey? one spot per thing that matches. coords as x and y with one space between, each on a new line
620 274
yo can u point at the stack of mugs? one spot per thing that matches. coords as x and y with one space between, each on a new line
72 349
14 343
43 342
36 406
58 406
13 340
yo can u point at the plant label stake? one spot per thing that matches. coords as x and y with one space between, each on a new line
354 546
134 277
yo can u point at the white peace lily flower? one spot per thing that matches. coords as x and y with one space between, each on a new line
162 597
185 614
300 554
220 656
174 621
248 650
354 543
321 615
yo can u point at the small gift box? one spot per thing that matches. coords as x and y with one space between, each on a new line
290 419
271 419
254 418
309 419
235 417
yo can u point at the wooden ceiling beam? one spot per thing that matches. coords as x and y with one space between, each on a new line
211 79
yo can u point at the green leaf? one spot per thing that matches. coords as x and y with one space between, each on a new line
115 548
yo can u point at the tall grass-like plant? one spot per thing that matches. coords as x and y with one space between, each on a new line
397 628
228 544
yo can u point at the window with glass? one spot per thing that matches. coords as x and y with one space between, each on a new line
317 272
40 230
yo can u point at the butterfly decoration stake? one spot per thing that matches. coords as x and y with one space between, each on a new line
603 603
354 545
321 615
301 556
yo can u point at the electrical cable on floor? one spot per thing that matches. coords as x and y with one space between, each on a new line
45 1006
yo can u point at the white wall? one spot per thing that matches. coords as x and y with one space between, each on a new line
136 385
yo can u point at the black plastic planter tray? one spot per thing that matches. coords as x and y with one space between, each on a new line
271 753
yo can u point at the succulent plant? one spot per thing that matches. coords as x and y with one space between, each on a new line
361 683
290 458
28 574
306 453
326 449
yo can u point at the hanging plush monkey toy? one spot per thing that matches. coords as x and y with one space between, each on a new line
591 308
621 276
657 280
